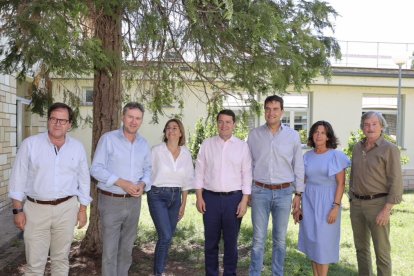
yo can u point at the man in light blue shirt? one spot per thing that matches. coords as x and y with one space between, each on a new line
51 173
278 171
122 166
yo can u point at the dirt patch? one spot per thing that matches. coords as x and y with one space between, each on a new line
86 265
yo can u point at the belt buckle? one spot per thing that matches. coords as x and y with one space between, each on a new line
371 197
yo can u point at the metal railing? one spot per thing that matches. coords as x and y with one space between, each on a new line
373 54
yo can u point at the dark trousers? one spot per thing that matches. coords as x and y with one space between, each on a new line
220 217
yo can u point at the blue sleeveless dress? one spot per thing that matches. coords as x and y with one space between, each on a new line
318 239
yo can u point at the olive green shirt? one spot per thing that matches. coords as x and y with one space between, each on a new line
377 171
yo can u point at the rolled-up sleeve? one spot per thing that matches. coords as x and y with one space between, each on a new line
189 168
298 167
19 174
246 170
84 180
100 163
200 168
394 176
146 168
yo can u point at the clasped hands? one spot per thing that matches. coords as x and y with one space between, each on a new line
131 188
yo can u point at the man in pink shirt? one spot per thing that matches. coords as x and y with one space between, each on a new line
223 180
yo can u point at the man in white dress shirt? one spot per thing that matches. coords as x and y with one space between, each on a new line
51 172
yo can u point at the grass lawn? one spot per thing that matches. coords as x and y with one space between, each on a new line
188 242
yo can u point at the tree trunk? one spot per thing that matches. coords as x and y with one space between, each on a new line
106 109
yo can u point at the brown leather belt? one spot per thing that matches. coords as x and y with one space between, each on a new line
273 186
49 202
368 197
112 194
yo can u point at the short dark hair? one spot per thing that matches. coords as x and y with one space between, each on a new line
133 105
181 141
227 112
332 142
274 98
58 105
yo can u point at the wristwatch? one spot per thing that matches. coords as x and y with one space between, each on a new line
16 211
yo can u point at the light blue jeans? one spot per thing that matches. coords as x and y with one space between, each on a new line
266 202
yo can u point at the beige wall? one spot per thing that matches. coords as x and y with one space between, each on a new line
195 108
338 106
338 101
341 102
152 132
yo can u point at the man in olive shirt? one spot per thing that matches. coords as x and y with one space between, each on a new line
375 186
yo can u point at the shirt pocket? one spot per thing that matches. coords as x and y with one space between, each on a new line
70 163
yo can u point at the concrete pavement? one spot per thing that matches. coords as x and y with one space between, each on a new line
11 242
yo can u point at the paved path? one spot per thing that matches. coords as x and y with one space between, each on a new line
11 243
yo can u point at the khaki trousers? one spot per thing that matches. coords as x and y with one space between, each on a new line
364 226
49 227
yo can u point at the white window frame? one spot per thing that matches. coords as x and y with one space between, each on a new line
20 105
85 90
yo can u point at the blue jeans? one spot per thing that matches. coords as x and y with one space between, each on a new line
264 203
164 204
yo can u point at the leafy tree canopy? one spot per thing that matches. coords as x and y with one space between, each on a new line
161 47
252 46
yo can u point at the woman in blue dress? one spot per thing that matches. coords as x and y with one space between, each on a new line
319 231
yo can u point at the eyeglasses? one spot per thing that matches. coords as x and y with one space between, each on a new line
61 122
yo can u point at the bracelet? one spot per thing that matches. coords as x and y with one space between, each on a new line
336 203
298 194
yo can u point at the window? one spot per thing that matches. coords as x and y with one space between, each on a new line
296 107
88 96
296 119
21 104
297 111
387 106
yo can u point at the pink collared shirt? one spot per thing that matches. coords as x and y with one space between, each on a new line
224 166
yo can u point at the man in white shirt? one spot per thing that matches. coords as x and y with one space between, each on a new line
51 172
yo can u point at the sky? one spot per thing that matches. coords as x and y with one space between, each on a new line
374 20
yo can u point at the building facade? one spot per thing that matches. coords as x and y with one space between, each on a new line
16 123
341 100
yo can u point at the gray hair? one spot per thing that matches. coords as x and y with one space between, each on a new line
132 105
370 114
